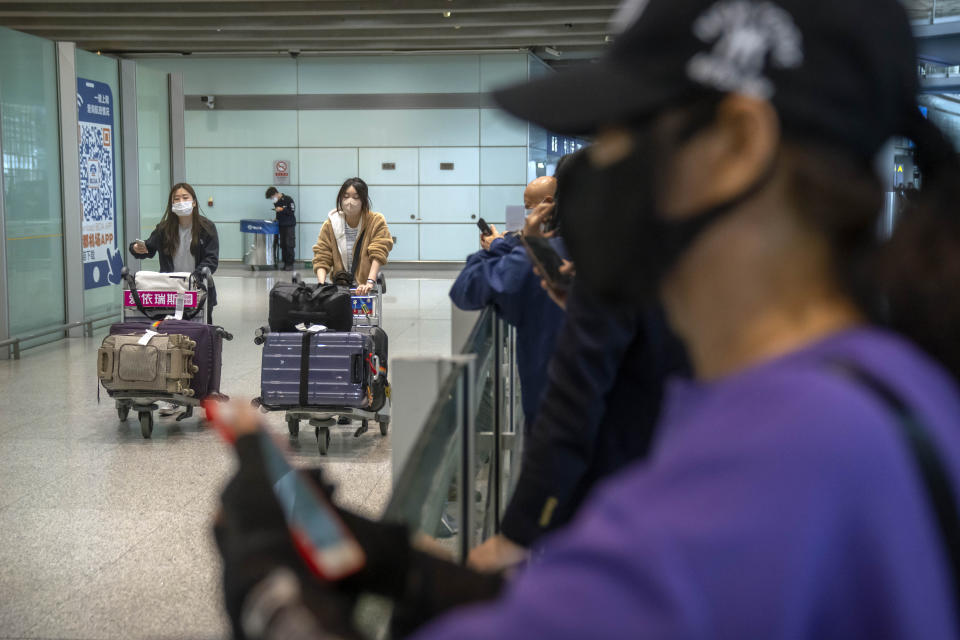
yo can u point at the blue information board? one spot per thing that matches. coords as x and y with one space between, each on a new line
102 261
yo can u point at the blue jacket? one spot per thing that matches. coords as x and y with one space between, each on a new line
503 277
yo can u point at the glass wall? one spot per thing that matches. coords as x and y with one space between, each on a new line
153 146
31 183
101 300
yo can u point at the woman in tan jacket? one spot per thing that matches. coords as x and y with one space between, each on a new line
353 239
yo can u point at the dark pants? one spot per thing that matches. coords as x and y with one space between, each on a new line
288 244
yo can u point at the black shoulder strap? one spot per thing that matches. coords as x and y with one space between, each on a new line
933 472
356 254
305 368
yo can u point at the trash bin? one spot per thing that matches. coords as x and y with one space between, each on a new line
259 243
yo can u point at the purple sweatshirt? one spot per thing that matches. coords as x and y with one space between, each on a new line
780 502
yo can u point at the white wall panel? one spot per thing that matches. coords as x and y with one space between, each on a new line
449 204
466 165
405 160
391 74
406 245
494 201
397 204
316 202
503 165
500 129
307 234
390 128
240 128
502 69
231 241
238 166
239 203
452 242
327 166
234 76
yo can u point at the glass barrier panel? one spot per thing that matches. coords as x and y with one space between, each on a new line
426 494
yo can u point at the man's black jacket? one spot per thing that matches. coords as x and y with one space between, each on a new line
603 398
286 217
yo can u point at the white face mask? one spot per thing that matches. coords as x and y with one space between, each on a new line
182 209
350 206
275 199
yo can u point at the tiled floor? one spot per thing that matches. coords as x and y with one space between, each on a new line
106 535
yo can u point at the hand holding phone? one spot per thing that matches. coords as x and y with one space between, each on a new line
324 543
548 262
485 229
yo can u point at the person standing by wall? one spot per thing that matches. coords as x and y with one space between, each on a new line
287 221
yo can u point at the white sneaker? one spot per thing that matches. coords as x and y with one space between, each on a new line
167 408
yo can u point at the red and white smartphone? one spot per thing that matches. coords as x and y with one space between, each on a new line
319 535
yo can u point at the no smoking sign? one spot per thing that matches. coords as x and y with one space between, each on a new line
281 172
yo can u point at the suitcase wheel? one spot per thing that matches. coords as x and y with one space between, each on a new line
323 439
123 412
146 424
293 426
384 427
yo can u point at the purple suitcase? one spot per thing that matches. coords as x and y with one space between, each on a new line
208 355
338 371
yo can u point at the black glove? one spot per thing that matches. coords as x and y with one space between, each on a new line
254 541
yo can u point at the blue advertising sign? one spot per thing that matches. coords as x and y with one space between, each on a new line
102 261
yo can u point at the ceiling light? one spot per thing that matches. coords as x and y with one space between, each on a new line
553 52
608 39
447 14
456 26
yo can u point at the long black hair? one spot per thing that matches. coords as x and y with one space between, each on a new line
909 281
919 268
170 222
362 191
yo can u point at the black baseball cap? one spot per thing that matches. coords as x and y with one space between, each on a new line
844 72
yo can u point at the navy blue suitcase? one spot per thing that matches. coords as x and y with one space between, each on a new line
339 370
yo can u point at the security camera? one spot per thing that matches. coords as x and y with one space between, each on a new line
208 100
294 53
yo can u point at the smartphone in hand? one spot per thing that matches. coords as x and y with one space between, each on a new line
319 535
485 229
547 261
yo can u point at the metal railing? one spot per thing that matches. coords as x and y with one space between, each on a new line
462 469
13 345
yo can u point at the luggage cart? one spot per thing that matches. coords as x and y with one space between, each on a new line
367 310
135 310
367 313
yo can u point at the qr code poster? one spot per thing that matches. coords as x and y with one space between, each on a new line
102 261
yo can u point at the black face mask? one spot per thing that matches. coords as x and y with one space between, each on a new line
620 243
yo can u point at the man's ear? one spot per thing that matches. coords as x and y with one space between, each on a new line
548 200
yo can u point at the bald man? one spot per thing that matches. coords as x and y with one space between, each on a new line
501 274
537 192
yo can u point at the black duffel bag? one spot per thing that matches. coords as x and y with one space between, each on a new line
294 302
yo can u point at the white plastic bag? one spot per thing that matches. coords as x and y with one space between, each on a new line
156 281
